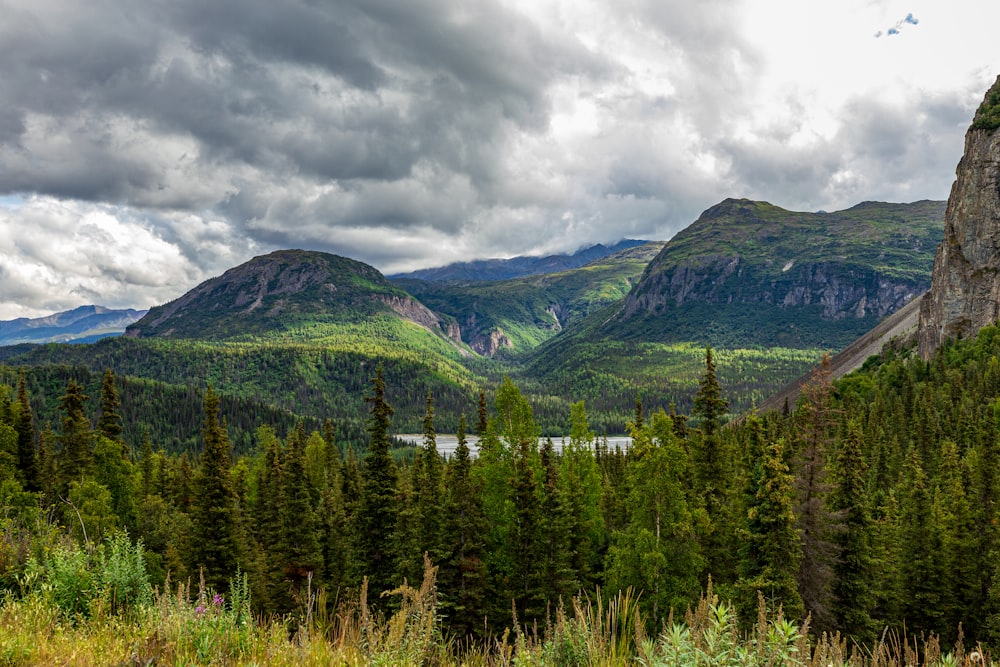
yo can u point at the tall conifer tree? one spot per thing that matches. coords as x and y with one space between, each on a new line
27 457
855 570
711 468
213 506
76 459
770 548
300 550
375 520
463 580
428 489
109 423
814 521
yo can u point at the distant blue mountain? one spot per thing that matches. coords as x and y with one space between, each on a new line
516 267
80 325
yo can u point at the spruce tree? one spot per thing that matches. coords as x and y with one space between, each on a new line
300 550
815 522
270 589
109 422
711 468
525 537
709 405
462 581
27 457
580 484
213 507
962 585
655 553
375 520
407 540
76 458
856 568
428 489
770 550
333 514
925 566
48 474
557 540
481 415
146 464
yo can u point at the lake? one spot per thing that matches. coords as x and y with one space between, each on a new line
447 442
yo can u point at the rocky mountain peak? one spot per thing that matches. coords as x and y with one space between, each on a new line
965 283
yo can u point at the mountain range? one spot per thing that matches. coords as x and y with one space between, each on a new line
300 332
85 324
515 267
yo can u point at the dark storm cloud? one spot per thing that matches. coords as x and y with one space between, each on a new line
408 132
244 94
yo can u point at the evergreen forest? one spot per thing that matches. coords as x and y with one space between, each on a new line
860 525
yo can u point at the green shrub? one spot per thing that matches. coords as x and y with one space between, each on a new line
122 580
68 581
988 115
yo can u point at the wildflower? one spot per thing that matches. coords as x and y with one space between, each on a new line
199 610
218 600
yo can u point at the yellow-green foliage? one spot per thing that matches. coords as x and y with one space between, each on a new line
183 627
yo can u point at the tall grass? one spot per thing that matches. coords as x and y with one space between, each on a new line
184 626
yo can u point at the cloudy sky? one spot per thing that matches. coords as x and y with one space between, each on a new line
146 146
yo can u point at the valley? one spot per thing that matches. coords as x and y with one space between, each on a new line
297 333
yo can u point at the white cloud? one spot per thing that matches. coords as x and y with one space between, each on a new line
146 147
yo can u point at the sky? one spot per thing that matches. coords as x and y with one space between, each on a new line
148 146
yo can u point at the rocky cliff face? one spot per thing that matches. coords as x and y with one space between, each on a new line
751 273
965 289
839 290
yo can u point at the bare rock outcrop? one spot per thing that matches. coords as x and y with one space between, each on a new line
965 283
488 344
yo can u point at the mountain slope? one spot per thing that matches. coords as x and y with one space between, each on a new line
515 267
749 273
83 324
771 290
279 293
514 316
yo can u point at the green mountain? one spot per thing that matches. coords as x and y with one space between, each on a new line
514 316
771 290
293 331
280 294
752 274
297 334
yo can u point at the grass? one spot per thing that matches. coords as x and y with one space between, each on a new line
195 627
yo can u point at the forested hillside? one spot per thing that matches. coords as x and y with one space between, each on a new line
515 316
296 333
771 290
871 504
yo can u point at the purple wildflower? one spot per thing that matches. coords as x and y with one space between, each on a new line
218 600
199 610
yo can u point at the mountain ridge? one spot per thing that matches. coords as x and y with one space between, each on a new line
497 269
81 324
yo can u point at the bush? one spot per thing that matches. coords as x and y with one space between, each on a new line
122 580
